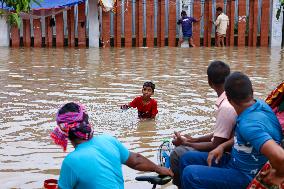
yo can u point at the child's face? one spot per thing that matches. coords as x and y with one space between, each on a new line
147 92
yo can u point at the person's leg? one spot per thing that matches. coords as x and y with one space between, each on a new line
190 42
217 40
174 158
222 41
200 176
196 173
180 41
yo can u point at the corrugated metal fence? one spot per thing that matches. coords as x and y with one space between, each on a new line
150 23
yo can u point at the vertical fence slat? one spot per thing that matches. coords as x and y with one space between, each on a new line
196 25
253 12
117 30
150 23
37 32
71 27
231 14
140 23
48 32
210 25
106 28
27 33
206 23
15 36
242 23
264 28
81 25
137 23
59 30
162 5
128 24
172 24
159 23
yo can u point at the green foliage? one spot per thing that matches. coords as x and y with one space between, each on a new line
279 9
18 6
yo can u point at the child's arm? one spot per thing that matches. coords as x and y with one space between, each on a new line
179 21
198 19
131 104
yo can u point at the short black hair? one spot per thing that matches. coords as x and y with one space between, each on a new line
217 72
219 9
238 87
69 107
73 107
183 13
149 84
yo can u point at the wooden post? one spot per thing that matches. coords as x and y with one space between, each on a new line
136 23
253 12
48 32
140 23
37 33
231 15
210 25
172 25
117 38
161 25
71 27
150 23
59 30
15 35
206 23
106 28
196 26
264 29
81 25
27 33
242 23
128 24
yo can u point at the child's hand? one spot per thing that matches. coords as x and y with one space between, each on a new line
124 107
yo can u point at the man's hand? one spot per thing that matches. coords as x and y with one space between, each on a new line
178 139
217 153
271 177
164 171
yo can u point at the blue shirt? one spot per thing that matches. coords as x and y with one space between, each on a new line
186 23
95 164
254 126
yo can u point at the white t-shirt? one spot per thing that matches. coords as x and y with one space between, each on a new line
222 23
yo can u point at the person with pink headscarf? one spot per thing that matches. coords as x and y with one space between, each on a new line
97 160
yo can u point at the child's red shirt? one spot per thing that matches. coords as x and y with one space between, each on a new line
145 111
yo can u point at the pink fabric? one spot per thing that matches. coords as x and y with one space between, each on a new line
280 116
225 118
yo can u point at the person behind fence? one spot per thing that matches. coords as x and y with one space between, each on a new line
256 139
221 23
97 160
186 24
217 72
147 106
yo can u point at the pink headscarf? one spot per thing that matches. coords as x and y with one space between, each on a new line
74 122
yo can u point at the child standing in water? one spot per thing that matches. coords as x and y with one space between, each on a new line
147 107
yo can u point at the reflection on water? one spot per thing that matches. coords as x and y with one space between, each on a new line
35 82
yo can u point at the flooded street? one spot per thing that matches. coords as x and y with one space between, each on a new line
35 82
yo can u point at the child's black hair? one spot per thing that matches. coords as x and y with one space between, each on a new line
238 87
183 13
217 72
219 9
149 84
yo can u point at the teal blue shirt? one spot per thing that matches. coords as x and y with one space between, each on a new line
254 126
95 164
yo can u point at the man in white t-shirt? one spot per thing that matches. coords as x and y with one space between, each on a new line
222 23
